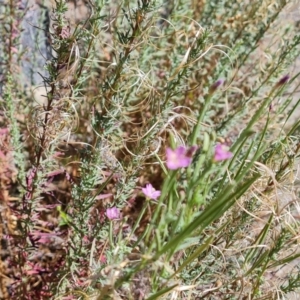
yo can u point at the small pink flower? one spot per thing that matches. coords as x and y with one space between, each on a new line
65 32
103 259
113 213
180 157
151 192
3 131
222 153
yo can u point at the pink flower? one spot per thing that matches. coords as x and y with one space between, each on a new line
180 157
3 131
151 192
65 32
222 153
102 259
113 213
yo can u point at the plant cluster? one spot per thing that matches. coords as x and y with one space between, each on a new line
160 161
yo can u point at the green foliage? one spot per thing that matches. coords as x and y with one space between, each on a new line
125 83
